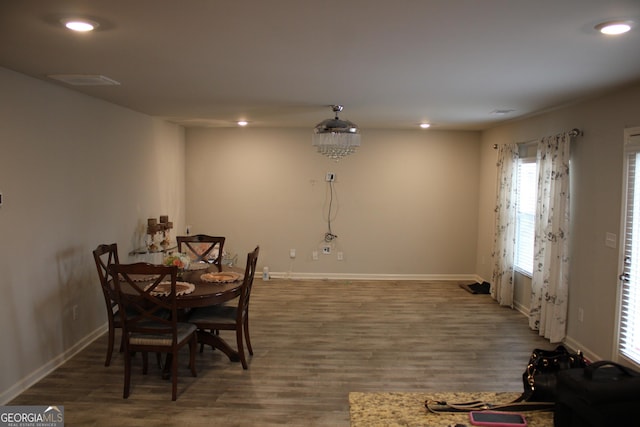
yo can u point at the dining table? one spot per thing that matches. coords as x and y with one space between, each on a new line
211 287
202 285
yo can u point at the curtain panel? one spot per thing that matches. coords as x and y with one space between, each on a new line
505 225
550 281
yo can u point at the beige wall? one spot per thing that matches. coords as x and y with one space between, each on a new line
405 205
596 163
74 172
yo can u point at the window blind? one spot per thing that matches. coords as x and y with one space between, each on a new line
525 220
629 316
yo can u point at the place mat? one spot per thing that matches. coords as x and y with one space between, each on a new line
223 277
164 289
194 266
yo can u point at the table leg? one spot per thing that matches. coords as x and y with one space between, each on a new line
215 341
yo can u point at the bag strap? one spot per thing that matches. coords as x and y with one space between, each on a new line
590 369
440 406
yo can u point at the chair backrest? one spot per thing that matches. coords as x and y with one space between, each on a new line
105 256
202 247
247 284
150 305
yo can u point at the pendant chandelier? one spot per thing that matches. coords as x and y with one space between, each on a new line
336 138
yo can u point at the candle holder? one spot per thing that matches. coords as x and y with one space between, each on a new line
154 227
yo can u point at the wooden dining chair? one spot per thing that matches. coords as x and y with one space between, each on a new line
202 247
230 317
104 256
152 321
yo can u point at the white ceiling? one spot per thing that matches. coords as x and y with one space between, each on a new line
391 63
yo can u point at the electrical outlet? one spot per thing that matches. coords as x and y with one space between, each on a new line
74 312
610 240
340 256
581 315
326 250
292 253
314 255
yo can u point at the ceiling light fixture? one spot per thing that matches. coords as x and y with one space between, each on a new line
425 125
242 123
80 25
336 138
613 28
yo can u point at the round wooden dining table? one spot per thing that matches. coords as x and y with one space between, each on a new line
207 294
204 293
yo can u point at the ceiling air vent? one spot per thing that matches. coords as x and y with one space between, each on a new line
84 79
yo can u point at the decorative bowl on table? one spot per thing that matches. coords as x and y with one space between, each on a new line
178 259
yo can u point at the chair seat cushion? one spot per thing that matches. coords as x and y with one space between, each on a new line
216 314
184 331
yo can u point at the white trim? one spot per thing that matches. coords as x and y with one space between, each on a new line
575 346
521 308
356 276
26 382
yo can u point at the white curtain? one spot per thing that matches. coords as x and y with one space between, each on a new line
505 226
549 287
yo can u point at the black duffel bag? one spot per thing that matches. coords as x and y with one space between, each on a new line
602 394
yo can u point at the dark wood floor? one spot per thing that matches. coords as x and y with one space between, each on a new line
314 342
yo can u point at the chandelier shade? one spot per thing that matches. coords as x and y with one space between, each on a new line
336 138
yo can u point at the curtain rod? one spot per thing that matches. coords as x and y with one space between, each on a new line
572 133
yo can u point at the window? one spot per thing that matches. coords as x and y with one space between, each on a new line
525 217
629 294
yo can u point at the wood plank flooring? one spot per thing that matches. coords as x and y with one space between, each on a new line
314 342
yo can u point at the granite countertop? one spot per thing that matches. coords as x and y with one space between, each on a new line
408 409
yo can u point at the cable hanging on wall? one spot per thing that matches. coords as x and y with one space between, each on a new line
329 236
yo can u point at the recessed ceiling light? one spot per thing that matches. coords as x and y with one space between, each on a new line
80 25
612 28
425 125
242 123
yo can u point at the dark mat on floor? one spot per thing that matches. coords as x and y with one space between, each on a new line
477 288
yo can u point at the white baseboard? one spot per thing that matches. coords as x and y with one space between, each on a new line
356 276
49 367
576 345
568 341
